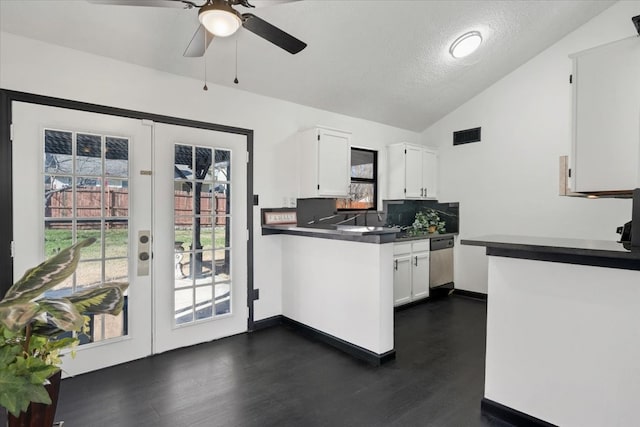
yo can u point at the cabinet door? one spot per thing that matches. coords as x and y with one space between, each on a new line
413 172
420 275
607 118
401 280
334 163
430 173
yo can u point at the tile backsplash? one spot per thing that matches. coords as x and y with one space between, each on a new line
402 213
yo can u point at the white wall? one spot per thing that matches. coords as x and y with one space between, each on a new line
508 182
36 67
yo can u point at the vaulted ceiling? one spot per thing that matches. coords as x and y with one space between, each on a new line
385 61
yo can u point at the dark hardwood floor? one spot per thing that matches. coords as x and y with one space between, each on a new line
276 377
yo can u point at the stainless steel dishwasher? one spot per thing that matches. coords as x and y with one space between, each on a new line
441 262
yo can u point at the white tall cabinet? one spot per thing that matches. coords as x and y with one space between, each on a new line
606 118
412 172
410 271
324 162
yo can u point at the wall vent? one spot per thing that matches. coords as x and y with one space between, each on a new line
466 136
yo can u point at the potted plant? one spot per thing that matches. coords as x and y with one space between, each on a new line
427 221
35 329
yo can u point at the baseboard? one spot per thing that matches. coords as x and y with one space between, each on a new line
269 322
470 294
342 345
511 416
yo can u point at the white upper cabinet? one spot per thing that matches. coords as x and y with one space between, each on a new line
606 118
324 163
412 172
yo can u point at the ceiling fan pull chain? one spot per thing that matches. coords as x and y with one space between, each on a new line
236 79
204 58
205 75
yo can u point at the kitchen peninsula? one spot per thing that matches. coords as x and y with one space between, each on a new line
337 284
563 331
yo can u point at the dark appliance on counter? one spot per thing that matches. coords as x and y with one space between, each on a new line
441 262
630 232
625 233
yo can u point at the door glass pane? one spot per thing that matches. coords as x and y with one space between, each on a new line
116 197
223 299
223 198
58 152
204 302
222 265
203 197
204 236
80 202
201 225
183 306
183 233
116 157
88 197
203 163
58 196
223 232
116 239
115 270
87 229
183 162
222 166
89 155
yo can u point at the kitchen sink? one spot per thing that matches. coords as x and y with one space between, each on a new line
364 229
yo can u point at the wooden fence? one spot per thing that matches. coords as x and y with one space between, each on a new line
58 204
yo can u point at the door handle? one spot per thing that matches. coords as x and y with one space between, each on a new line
395 264
415 262
144 249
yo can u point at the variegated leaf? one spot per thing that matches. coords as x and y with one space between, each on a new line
62 313
48 274
16 316
105 299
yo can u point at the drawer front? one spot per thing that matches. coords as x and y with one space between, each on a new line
421 245
401 248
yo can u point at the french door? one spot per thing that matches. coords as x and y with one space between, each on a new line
200 218
167 206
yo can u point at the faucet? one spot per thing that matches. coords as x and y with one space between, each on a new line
315 221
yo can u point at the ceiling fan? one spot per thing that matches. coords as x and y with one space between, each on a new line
218 18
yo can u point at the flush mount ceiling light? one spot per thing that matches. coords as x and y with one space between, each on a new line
219 18
466 44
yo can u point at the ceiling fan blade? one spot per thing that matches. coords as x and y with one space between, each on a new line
272 33
199 43
260 3
152 3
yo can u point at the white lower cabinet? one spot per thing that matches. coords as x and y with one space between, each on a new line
410 271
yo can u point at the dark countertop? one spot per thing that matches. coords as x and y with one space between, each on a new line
349 233
362 234
601 253
401 237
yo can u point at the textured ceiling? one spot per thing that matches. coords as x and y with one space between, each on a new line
385 61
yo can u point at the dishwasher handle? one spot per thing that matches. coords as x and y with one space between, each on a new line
438 243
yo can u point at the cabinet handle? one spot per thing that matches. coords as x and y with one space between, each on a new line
395 264
415 262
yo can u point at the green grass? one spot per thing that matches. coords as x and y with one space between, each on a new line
117 241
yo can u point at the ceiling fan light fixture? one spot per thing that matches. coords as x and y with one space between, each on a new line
466 44
219 18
